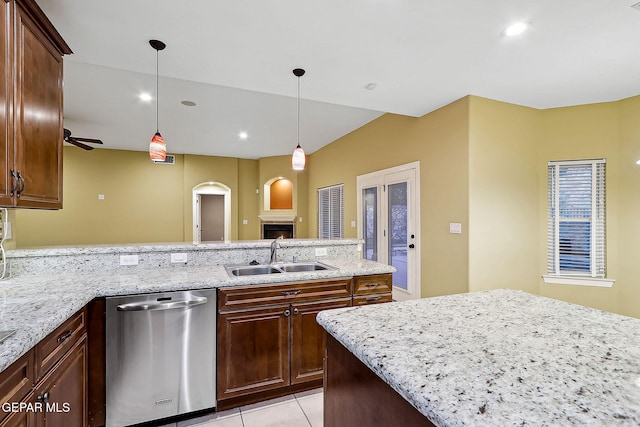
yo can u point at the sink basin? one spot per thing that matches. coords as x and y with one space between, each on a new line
292 267
295 267
6 334
252 270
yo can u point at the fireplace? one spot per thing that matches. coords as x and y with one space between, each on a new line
274 230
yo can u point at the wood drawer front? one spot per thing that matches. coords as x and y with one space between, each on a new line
372 299
56 344
379 283
16 381
239 297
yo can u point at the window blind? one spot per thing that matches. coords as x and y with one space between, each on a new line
576 222
331 212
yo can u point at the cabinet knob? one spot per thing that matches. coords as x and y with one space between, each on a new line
44 397
287 313
296 311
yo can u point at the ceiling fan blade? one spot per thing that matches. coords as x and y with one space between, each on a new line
80 144
91 140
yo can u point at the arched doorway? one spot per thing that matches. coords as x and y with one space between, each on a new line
211 212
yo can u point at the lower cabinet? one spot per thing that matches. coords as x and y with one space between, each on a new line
47 387
269 343
63 391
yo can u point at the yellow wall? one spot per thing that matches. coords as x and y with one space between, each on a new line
439 141
587 132
503 196
142 202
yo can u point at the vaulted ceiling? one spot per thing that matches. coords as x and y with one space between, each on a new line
233 59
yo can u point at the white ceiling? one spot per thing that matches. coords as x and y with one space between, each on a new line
234 59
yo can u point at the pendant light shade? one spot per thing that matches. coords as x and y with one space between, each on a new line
298 159
157 147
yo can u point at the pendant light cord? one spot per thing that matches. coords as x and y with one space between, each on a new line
298 111
157 95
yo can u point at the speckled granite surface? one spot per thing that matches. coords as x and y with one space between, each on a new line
36 305
500 358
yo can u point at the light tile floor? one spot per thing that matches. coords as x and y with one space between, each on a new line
296 410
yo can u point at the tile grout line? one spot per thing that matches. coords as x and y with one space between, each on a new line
302 409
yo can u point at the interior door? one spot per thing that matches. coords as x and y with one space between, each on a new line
212 217
389 225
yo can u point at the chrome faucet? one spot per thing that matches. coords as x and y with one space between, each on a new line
274 250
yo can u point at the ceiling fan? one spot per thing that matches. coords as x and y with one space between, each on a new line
76 141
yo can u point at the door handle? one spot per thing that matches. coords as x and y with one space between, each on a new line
16 182
21 178
153 306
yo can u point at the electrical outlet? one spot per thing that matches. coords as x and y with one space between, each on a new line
179 258
321 251
455 228
128 259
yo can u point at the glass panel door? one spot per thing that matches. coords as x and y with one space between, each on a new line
370 222
397 236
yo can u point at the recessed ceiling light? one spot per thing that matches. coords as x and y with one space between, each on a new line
188 103
371 86
146 97
243 135
515 29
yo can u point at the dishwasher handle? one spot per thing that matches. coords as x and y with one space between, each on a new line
169 305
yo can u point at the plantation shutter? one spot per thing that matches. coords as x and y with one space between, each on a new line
331 212
576 223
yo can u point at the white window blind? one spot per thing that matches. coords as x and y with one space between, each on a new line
576 224
331 212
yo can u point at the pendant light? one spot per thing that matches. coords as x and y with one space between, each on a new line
157 147
298 159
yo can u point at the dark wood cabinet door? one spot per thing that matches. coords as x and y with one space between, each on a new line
38 116
307 339
64 390
6 88
253 350
21 418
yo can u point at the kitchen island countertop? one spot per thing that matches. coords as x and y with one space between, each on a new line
499 358
35 305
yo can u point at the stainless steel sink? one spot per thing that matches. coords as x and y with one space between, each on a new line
251 270
293 267
6 334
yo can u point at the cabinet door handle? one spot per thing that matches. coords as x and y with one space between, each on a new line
371 285
296 311
21 178
62 338
16 182
44 397
373 299
287 313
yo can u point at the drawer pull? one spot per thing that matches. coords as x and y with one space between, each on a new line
290 293
44 397
373 298
372 285
62 338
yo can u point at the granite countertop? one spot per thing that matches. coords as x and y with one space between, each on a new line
500 358
36 305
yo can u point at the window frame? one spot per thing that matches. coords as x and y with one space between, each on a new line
596 276
328 223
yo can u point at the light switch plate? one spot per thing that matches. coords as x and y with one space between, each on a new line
128 259
455 228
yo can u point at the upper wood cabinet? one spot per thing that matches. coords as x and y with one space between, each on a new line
31 111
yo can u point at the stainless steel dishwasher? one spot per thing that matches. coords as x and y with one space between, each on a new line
160 355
